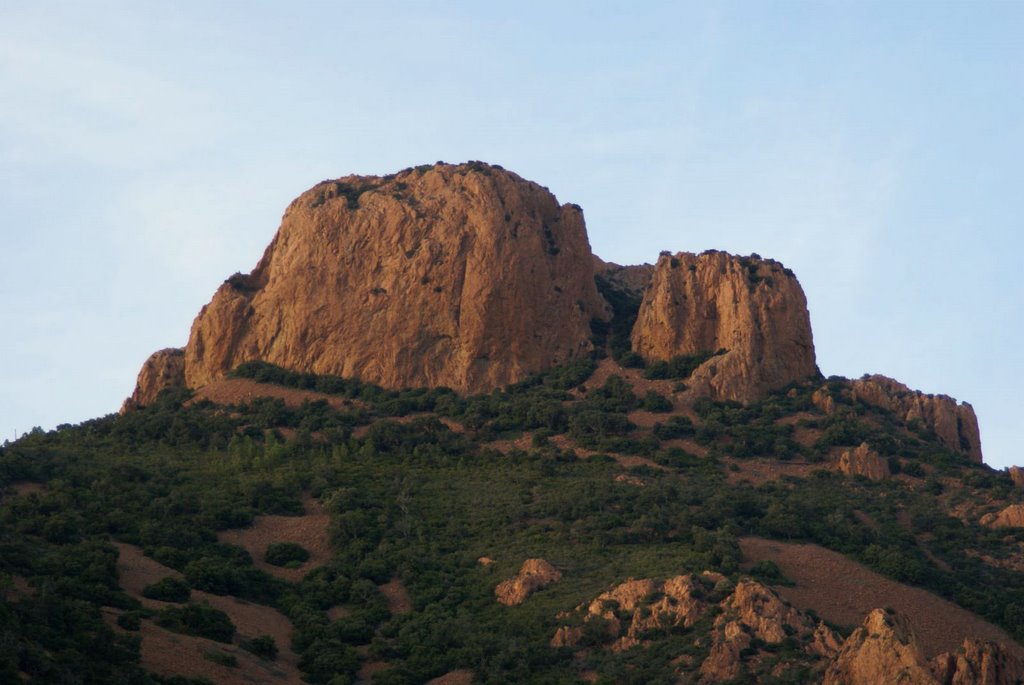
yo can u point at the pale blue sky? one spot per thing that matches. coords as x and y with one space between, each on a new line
148 149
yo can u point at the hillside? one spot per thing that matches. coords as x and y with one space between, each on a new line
678 496
574 467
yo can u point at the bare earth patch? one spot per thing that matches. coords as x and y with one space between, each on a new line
563 442
25 488
309 530
19 588
135 570
366 671
505 446
645 420
686 444
758 471
842 591
168 653
460 677
398 598
244 390
641 386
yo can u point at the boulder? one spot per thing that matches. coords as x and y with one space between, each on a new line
534 575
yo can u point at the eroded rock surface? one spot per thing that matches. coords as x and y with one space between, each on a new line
748 615
1009 517
1017 476
752 308
165 369
863 461
885 650
461 276
534 575
954 423
882 650
978 662
752 613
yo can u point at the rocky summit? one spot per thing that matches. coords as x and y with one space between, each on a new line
751 309
461 276
470 277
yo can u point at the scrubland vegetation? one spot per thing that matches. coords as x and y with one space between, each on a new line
413 499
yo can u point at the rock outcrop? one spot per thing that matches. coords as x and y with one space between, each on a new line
752 308
978 663
755 614
1009 517
863 461
165 369
749 616
534 575
637 606
1016 474
461 276
883 649
954 424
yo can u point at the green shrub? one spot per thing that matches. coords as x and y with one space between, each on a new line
169 589
656 402
767 571
676 427
678 368
283 553
197 619
263 646
913 468
129 620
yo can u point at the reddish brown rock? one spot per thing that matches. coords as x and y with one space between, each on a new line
462 276
882 650
534 575
863 461
955 424
636 607
978 662
755 612
1017 476
164 369
1010 517
752 308
822 399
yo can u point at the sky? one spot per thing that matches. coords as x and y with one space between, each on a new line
148 150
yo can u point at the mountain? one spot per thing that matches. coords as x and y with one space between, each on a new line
432 438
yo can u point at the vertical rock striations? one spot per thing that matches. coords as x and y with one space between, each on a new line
462 276
955 424
752 308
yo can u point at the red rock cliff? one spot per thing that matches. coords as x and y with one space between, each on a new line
163 369
752 308
954 424
462 276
